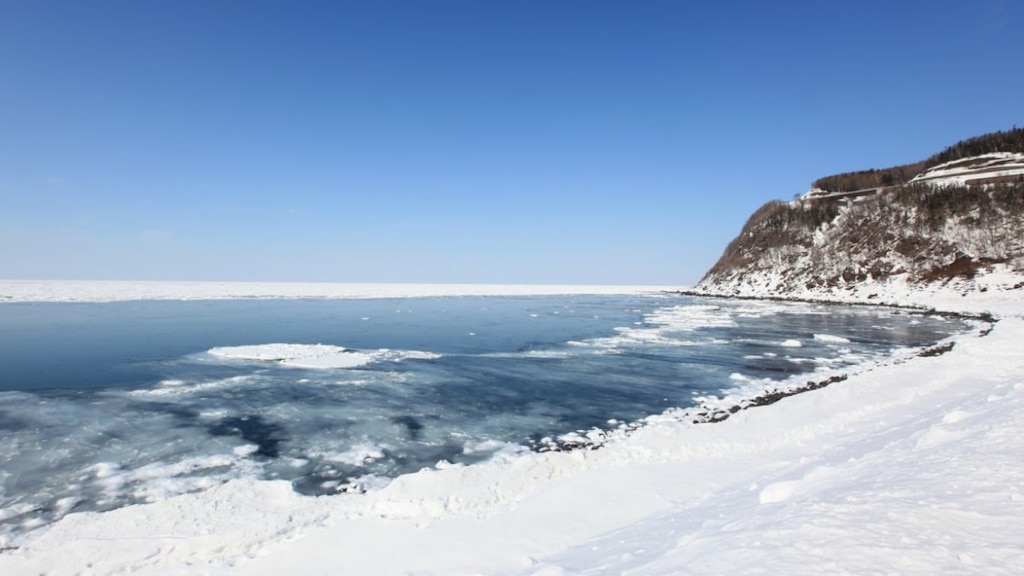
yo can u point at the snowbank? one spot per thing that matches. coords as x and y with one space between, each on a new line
912 468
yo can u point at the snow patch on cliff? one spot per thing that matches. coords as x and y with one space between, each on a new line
974 170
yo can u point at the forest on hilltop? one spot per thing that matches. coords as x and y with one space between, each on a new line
1009 141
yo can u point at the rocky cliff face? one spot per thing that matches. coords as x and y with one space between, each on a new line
956 228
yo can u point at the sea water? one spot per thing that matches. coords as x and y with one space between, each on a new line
103 405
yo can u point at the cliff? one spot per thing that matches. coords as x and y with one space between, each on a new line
954 228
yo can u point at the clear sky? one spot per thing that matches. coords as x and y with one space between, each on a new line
488 141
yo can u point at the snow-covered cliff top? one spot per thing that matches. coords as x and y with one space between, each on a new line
974 170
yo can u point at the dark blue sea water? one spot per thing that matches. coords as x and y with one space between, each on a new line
103 405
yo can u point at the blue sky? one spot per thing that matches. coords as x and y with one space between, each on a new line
461 141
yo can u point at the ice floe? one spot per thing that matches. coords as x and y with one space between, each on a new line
316 355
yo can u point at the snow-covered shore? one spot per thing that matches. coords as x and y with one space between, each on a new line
910 468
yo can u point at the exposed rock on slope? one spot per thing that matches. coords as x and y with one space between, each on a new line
957 227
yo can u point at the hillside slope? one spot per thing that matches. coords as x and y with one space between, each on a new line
955 228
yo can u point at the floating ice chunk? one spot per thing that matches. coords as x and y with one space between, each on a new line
178 387
316 355
357 455
299 355
343 359
245 450
831 338
399 355
500 452
105 469
271 352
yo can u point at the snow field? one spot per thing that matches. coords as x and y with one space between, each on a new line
873 476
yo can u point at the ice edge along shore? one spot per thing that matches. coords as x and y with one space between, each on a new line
119 291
